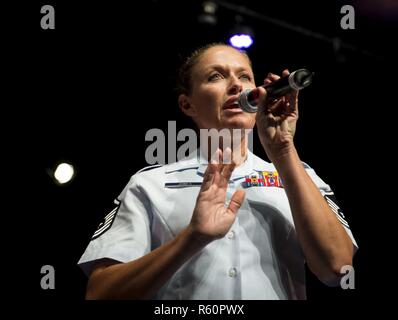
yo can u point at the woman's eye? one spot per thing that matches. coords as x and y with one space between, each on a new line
246 77
215 76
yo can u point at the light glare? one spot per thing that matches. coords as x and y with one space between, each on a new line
241 41
64 173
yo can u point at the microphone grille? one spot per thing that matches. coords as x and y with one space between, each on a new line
303 77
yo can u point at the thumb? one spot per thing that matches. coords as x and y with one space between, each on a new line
262 99
236 201
261 93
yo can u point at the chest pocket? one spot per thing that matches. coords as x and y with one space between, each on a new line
179 203
183 178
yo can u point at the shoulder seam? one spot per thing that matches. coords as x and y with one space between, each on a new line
148 168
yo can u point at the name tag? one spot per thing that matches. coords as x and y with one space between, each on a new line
263 179
182 184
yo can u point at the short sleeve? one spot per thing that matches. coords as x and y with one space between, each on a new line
124 233
331 200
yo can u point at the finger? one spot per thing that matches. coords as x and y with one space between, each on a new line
290 107
294 97
236 201
267 81
226 161
217 180
271 78
218 161
227 172
208 177
284 127
262 97
210 173
216 157
285 73
276 107
227 156
292 102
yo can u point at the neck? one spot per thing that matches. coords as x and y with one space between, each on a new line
237 141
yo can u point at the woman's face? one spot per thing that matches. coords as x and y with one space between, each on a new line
218 77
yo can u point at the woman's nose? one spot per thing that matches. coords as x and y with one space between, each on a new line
235 86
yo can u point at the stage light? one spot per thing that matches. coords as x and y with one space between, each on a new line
64 173
241 41
242 36
208 14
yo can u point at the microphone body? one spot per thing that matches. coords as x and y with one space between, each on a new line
297 80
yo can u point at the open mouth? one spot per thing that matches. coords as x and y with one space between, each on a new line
233 105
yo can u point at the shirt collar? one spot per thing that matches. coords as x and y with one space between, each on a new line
197 161
244 169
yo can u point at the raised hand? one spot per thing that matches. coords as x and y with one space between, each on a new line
211 218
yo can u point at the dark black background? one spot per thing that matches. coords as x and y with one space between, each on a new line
88 91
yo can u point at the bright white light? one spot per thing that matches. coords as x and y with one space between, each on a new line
64 173
241 41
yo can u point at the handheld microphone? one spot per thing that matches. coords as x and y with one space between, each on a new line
297 80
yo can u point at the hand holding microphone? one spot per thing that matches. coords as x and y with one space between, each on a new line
276 117
296 80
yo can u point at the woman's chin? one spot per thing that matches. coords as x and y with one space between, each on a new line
238 123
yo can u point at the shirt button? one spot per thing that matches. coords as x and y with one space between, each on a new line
232 272
231 235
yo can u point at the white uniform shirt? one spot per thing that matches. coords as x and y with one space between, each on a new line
259 258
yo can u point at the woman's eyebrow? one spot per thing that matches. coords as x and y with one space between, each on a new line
223 67
215 67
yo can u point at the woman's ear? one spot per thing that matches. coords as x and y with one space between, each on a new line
186 106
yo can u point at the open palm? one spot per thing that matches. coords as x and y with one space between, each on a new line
211 218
